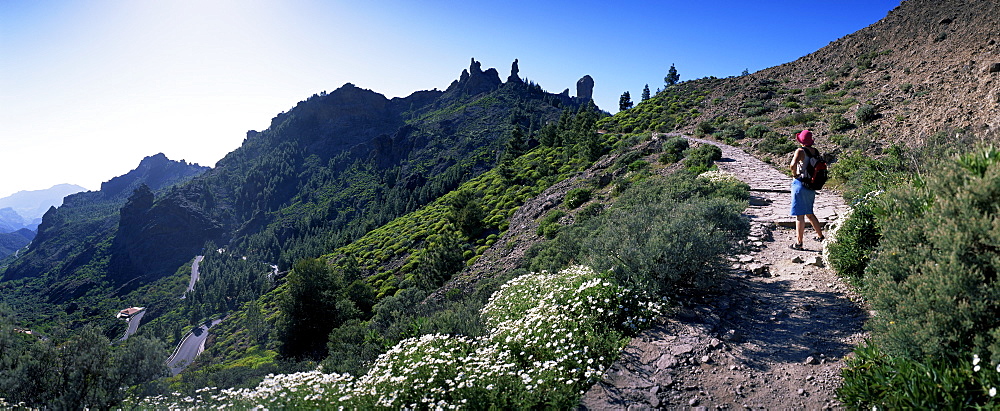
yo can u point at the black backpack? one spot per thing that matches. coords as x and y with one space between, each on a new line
816 174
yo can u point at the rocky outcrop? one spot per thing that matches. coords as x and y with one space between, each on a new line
156 237
585 88
475 81
156 171
513 78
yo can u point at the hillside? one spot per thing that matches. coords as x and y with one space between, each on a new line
925 73
414 246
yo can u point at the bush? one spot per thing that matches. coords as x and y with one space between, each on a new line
704 128
673 150
855 242
860 174
874 380
549 226
576 197
838 124
934 281
866 114
797 119
638 165
757 131
775 143
665 234
702 158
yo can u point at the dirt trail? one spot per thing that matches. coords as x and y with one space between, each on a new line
773 337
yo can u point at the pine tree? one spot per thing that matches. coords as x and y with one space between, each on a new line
625 102
672 76
645 93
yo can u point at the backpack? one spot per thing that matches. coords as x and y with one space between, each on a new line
815 169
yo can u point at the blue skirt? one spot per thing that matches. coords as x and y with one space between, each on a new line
802 198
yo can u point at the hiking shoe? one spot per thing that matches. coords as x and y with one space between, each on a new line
797 246
820 238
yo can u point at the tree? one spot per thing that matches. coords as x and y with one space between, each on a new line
672 76
746 72
625 102
645 93
309 308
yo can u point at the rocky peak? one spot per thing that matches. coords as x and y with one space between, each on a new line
513 78
585 88
475 81
156 171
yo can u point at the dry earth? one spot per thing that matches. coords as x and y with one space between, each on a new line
774 336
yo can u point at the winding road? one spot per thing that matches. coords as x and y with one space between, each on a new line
189 348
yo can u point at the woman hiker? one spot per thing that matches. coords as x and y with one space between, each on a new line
802 198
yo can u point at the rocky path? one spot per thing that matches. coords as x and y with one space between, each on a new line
773 337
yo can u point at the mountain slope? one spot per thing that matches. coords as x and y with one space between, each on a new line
325 172
925 73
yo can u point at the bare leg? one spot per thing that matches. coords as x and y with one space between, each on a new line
800 227
815 223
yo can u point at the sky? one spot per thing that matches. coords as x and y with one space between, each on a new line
89 88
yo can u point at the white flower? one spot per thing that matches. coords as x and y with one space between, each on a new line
993 391
975 359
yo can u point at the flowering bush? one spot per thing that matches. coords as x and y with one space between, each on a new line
552 336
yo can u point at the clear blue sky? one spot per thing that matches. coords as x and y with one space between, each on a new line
89 88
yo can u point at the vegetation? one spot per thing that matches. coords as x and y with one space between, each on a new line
919 247
625 102
84 372
528 359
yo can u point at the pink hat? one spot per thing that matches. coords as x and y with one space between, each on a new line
805 137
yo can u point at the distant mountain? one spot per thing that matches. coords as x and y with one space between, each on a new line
10 220
29 206
11 242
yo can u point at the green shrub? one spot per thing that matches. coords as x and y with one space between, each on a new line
934 281
666 245
729 132
874 380
673 150
838 124
626 159
702 158
576 197
704 128
757 131
638 165
549 226
797 119
774 143
856 241
591 210
860 174
866 114
664 234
